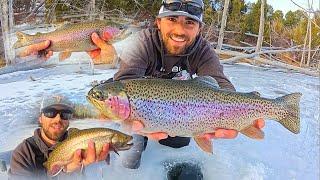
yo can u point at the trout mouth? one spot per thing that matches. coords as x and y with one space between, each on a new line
122 146
123 34
126 146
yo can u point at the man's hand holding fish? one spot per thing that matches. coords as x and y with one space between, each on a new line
82 158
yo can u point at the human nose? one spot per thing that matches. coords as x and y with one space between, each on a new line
179 28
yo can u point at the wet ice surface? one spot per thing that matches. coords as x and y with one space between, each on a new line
281 155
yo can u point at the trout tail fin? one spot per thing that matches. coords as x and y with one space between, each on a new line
23 39
291 118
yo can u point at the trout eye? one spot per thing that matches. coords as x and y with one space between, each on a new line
98 95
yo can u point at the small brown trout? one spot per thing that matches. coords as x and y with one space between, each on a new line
78 139
74 37
191 108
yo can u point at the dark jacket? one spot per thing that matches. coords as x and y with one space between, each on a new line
28 158
146 56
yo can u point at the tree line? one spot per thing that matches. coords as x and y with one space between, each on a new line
280 29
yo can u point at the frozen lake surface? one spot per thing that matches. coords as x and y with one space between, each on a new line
281 155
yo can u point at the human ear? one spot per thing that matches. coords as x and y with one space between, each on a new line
158 22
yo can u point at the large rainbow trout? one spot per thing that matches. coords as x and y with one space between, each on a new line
78 139
191 108
74 37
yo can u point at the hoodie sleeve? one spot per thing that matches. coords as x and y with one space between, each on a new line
209 65
21 163
133 59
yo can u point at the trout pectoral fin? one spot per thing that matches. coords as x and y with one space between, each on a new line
204 143
108 159
114 149
64 55
55 170
253 132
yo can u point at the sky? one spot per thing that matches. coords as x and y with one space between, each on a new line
287 5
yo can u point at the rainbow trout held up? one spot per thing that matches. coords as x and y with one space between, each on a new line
191 108
78 139
74 37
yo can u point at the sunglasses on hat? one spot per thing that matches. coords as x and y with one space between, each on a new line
191 8
65 114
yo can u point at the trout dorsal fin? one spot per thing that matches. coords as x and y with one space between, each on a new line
254 93
38 34
208 80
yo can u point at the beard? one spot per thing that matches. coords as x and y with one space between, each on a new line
55 136
171 48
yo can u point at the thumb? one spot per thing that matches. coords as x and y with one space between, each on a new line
98 41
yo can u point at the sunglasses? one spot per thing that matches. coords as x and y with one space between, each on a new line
191 8
64 113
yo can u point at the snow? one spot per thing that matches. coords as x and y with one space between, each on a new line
281 155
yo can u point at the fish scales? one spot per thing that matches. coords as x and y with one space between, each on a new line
192 108
71 37
195 108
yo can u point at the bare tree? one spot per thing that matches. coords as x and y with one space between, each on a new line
5 25
261 27
310 34
92 9
307 40
223 24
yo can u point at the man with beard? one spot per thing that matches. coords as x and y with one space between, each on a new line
28 157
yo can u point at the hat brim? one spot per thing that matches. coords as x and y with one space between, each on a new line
60 107
167 13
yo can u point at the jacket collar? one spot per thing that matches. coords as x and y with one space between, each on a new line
42 145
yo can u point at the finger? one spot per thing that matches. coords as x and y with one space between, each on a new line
225 134
77 157
106 36
98 41
137 126
94 53
90 155
104 153
157 136
259 123
75 163
34 48
48 55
